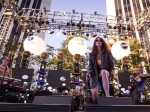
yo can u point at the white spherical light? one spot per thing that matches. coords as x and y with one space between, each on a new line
120 49
34 44
77 45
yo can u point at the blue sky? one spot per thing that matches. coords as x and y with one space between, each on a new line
86 6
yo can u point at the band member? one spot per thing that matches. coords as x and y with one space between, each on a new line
4 69
137 86
101 65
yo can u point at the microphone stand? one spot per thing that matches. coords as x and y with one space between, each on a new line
3 79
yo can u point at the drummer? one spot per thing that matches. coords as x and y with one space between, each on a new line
4 69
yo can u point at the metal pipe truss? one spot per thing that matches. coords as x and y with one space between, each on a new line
71 21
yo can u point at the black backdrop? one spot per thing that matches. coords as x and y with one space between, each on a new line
124 80
18 73
54 78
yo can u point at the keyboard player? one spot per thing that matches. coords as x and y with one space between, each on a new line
4 69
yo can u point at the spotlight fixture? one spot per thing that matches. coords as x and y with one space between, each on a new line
64 33
93 26
51 32
133 29
73 33
87 25
28 30
83 25
114 27
105 36
43 31
87 34
68 33
124 28
47 22
125 37
78 34
48 31
128 28
79 25
33 30
82 33
21 20
38 31
110 27
68 23
73 24
93 35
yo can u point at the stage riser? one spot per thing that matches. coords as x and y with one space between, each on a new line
34 108
119 108
115 101
66 108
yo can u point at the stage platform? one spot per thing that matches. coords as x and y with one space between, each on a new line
28 107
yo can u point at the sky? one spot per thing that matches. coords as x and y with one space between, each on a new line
84 6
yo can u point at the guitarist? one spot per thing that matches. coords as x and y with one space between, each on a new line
137 86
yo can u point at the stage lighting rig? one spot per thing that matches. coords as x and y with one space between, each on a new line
70 21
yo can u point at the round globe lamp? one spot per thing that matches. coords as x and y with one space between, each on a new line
120 49
34 44
77 45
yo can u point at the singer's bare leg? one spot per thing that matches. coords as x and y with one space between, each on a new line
105 81
95 92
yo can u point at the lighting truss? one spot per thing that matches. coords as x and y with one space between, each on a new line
71 21
43 19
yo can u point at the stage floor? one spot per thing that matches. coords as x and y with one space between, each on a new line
28 107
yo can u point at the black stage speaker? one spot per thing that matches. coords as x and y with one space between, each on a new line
25 75
115 101
54 78
57 100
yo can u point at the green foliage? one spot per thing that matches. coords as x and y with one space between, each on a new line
136 57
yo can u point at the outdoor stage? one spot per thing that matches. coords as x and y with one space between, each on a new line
18 107
67 104
45 101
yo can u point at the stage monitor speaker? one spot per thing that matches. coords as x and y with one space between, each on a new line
57 100
115 101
